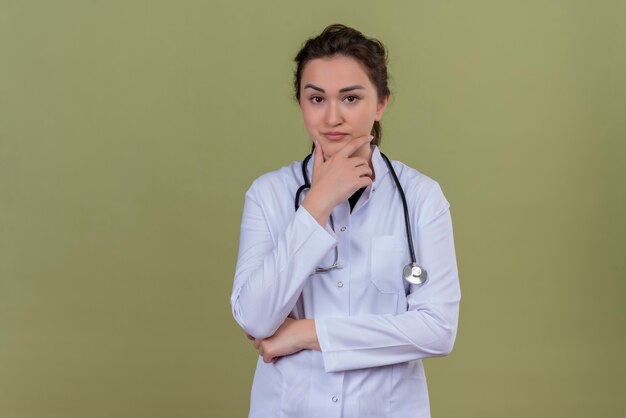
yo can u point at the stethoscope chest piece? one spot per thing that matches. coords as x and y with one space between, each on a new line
414 274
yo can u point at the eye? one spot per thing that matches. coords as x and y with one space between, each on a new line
351 99
316 99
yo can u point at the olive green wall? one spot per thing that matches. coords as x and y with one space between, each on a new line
130 130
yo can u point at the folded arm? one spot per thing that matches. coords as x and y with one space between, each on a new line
426 329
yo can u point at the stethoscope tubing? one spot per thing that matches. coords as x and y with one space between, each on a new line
407 223
307 183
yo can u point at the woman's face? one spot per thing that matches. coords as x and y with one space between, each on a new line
338 102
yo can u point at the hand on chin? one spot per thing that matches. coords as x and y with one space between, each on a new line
329 148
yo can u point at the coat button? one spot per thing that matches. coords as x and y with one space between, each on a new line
343 228
339 284
335 399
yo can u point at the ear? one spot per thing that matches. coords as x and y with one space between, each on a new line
380 108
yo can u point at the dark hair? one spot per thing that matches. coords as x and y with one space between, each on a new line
342 40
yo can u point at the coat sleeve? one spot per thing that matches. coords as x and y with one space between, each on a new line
426 329
271 271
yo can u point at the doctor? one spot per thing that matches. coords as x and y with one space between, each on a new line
320 289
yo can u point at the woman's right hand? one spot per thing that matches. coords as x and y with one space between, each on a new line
336 179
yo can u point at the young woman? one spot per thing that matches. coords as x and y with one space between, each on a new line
342 288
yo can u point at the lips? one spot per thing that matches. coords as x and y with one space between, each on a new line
335 136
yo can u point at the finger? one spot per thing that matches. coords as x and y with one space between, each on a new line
355 144
364 170
267 354
358 161
250 337
364 181
318 159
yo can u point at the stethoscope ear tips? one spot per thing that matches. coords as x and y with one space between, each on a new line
414 274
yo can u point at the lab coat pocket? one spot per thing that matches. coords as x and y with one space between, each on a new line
387 259
296 370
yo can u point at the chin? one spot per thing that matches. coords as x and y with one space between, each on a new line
330 149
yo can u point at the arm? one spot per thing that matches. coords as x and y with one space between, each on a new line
427 329
270 276
271 273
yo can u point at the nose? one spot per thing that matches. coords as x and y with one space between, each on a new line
333 114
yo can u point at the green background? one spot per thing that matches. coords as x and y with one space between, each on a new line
130 130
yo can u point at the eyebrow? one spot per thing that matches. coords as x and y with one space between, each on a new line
342 90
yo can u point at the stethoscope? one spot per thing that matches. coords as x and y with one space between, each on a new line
412 272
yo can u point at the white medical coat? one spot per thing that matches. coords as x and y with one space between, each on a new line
373 327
